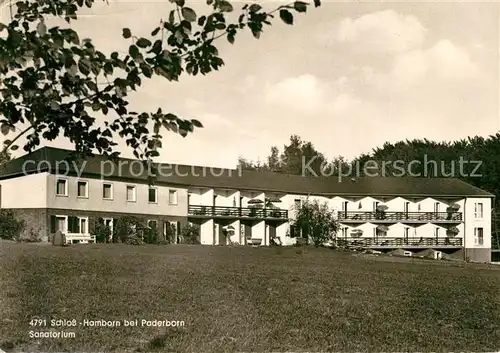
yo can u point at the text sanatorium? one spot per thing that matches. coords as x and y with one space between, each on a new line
134 323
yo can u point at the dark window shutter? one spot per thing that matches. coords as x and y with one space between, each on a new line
91 225
52 224
178 226
72 224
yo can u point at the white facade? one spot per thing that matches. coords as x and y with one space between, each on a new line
118 201
233 216
29 191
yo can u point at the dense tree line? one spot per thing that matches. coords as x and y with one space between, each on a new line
475 160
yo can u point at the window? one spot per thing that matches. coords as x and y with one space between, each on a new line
172 197
407 232
62 187
78 225
436 232
344 232
83 189
59 223
478 210
153 195
407 207
375 205
436 207
344 206
131 193
107 191
478 236
82 225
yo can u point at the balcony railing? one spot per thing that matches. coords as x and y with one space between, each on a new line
237 212
384 242
417 217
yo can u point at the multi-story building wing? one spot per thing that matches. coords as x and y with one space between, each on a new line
245 207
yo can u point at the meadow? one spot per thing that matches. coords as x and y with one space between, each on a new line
228 299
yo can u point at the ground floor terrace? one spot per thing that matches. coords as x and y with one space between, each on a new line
231 229
80 226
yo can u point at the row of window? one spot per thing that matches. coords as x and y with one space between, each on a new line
478 234
478 207
79 225
108 194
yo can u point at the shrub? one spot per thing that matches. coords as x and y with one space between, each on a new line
33 236
10 227
128 229
133 239
191 234
150 236
102 233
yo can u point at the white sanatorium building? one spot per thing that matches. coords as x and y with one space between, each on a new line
383 213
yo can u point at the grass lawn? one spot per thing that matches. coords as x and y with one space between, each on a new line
245 299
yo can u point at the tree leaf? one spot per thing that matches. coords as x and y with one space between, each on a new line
41 29
188 14
317 3
133 51
155 31
196 123
225 6
300 6
255 7
143 43
286 16
126 33
84 66
5 129
171 17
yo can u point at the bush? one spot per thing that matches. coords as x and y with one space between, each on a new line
33 236
133 239
191 234
129 230
102 233
10 227
150 236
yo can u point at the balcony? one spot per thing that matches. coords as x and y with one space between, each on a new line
236 212
391 217
386 243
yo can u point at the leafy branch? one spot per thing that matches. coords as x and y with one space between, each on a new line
50 77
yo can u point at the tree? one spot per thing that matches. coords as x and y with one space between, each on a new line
315 221
298 157
54 82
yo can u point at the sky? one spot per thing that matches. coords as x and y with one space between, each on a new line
347 76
